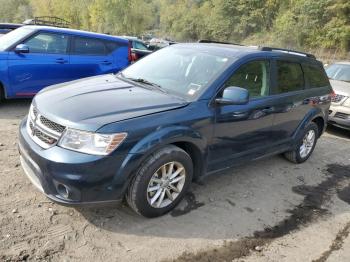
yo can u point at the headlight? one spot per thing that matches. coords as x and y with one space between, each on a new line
90 143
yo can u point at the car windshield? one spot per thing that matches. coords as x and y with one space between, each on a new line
182 71
14 36
339 72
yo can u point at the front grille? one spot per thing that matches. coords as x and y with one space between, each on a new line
52 125
337 98
43 131
341 115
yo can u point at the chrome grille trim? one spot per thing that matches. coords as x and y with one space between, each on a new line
43 131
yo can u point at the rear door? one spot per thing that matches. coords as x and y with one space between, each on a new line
47 63
291 100
92 56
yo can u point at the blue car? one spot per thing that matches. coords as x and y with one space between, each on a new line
174 116
34 57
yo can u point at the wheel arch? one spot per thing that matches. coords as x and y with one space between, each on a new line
320 122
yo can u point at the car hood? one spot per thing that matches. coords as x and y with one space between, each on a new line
90 103
340 87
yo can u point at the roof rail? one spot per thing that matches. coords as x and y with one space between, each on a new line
48 21
216 42
289 51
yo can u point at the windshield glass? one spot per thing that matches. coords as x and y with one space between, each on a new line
14 36
185 72
339 72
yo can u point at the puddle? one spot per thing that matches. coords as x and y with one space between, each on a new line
344 194
191 204
311 206
304 213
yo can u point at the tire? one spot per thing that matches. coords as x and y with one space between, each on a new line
2 93
138 196
297 155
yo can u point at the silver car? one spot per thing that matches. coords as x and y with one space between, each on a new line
339 76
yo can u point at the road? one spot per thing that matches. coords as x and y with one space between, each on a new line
269 210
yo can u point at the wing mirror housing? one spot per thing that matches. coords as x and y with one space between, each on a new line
233 95
22 48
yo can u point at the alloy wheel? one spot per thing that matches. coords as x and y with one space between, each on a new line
166 184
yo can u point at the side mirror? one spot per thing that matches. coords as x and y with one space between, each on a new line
233 95
22 48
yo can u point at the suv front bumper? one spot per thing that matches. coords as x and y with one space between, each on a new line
72 178
339 116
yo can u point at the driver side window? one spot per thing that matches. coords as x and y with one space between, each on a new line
253 76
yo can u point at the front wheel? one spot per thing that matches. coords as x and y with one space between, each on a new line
305 145
161 182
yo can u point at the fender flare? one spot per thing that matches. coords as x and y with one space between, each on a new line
151 143
309 117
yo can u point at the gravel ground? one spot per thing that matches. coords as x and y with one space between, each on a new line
270 210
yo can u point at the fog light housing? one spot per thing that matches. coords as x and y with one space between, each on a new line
63 191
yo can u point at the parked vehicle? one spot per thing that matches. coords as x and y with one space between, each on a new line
41 20
176 115
339 113
138 48
34 57
8 27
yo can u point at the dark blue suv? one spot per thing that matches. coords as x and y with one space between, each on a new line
174 116
34 57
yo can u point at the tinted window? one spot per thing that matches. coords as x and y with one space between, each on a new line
111 46
48 43
254 77
315 76
88 46
289 77
139 45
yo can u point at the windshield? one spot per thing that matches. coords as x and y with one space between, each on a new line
185 72
13 37
339 72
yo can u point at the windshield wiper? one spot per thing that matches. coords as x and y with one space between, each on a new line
144 81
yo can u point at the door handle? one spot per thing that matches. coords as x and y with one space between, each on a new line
106 62
61 61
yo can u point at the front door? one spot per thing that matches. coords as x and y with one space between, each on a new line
243 131
47 63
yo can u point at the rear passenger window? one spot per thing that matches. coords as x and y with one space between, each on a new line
88 46
111 46
253 76
315 76
289 77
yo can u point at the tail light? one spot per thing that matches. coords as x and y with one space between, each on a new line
132 57
333 94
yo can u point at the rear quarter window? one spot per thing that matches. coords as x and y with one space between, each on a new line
290 77
88 46
315 76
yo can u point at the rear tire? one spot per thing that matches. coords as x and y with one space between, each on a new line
2 93
305 145
161 182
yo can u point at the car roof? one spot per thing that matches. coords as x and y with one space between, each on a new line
240 51
76 32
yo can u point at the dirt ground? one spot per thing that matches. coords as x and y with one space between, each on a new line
270 210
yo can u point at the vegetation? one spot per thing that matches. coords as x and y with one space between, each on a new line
290 23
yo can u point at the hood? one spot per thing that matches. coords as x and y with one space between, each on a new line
90 103
340 87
